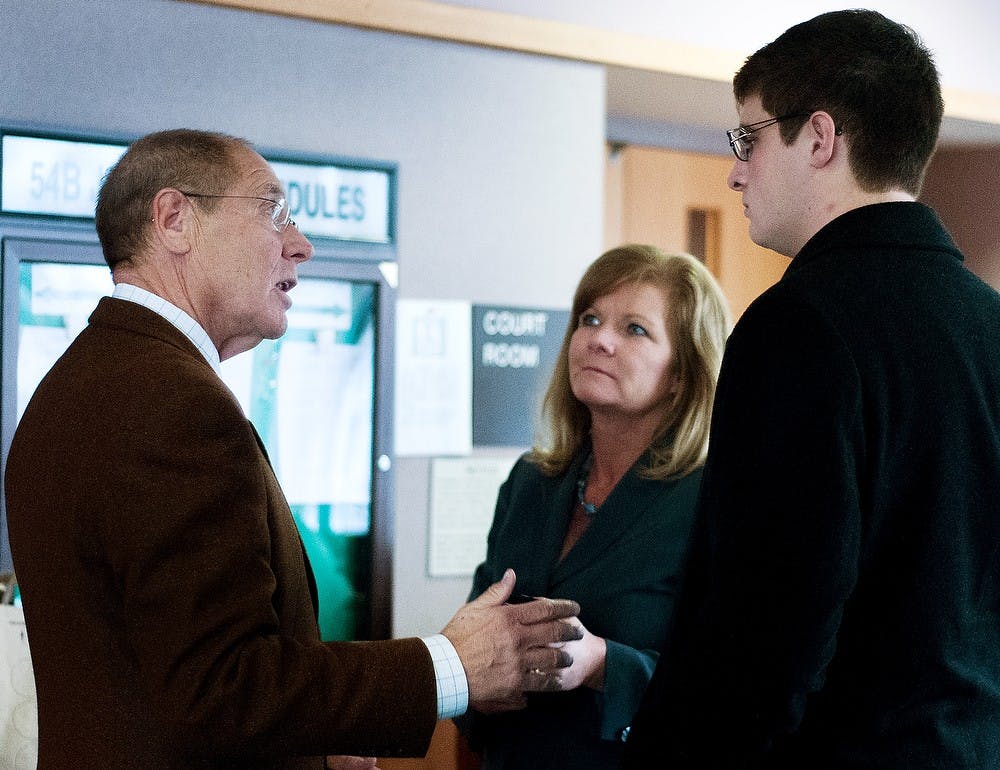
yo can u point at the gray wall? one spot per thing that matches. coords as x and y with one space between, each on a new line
500 154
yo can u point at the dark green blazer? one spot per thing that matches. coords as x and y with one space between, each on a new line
165 590
843 604
625 573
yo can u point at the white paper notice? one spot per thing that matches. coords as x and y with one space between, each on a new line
463 498
433 377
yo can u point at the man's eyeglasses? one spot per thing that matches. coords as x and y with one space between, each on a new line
281 214
741 138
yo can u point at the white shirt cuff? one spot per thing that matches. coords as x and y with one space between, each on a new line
452 684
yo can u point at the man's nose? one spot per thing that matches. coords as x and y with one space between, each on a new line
735 179
297 247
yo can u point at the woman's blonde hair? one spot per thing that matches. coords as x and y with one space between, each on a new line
698 322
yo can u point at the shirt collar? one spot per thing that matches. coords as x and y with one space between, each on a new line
173 314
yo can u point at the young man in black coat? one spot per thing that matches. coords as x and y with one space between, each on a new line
842 601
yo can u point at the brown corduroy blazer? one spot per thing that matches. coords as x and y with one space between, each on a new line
166 593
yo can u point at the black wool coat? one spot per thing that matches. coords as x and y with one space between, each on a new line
842 605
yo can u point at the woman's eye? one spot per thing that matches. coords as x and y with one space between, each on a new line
637 330
589 319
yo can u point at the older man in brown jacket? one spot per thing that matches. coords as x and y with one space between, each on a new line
169 604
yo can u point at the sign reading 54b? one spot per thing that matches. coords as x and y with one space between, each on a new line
61 177
54 176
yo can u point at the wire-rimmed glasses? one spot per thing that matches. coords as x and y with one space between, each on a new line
740 138
281 214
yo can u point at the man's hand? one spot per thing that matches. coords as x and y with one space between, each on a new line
586 669
350 763
505 648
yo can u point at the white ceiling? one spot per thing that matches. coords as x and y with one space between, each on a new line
658 109
687 113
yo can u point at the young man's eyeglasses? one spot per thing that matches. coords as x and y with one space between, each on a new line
741 138
281 214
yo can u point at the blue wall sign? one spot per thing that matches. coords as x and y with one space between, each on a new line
61 177
513 353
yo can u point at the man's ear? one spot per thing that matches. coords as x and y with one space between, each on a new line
822 134
173 218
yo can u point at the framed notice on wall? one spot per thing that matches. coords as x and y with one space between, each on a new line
463 498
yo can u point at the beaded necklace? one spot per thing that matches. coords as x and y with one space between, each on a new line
581 485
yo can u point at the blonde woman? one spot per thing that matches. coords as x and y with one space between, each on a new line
601 509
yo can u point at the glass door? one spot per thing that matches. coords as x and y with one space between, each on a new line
315 396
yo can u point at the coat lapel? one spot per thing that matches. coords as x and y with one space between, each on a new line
310 575
539 546
629 502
